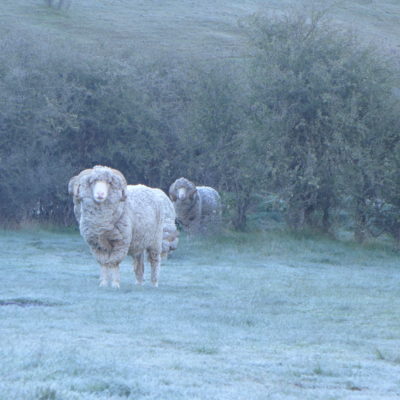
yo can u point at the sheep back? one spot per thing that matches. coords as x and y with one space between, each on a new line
210 204
147 217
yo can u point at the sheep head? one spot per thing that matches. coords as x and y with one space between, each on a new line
182 190
102 183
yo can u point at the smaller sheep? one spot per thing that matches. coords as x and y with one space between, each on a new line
198 209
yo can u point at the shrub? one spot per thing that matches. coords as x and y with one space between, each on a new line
323 110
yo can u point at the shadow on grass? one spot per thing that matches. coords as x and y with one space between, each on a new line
26 302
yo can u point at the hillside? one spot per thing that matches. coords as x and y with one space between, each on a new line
208 28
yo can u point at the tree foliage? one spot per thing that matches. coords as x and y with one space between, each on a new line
324 104
309 119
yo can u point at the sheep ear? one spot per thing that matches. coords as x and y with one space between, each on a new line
120 183
171 192
192 193
71 185
117 182
77 192
172 196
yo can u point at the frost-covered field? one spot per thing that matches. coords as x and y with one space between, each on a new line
282 318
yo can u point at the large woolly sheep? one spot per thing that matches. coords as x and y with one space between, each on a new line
116 220
198 209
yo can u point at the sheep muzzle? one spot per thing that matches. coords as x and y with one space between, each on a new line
181 193
100 191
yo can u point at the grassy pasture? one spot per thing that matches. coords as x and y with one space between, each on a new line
256 316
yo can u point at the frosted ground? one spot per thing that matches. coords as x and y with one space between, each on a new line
265 316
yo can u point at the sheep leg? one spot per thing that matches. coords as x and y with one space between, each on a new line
138 261
155 259
165 249
174 244
115 276
118 253
103 275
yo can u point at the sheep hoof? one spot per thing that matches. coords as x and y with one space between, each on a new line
155 284
115 284
103 283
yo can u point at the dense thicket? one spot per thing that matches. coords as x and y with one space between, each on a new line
307 125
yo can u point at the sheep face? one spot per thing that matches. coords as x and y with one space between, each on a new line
103 184
182 190
182 193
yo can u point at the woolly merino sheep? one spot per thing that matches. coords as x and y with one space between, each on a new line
198 209
116 220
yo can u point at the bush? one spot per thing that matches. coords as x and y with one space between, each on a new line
63 111
323 109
